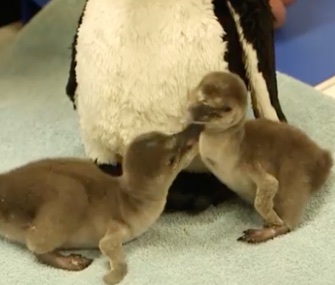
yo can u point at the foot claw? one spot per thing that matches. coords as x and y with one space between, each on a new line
247 237
242 238
252 236
262 235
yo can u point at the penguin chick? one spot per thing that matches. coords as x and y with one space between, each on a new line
272 165
65 203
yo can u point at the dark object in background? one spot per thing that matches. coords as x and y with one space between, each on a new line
19 10
30 8
10 11
195 192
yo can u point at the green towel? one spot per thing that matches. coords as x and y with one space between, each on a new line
37 120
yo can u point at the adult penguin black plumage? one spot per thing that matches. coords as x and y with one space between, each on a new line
134 61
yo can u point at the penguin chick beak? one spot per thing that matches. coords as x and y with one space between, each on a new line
199 113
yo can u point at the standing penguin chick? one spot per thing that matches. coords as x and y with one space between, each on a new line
55 204
272 165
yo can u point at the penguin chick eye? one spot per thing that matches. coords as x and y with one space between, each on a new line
172 160
188 147
226 109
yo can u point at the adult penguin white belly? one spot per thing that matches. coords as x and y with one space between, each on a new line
133 62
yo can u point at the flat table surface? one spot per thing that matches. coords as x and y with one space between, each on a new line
305 46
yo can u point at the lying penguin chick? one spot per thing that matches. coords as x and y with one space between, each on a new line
272 165
55 204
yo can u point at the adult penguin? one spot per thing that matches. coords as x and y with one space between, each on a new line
133 62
